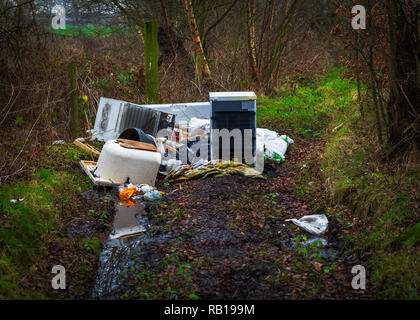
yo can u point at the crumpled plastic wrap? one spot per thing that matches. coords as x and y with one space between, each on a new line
314 224
274 146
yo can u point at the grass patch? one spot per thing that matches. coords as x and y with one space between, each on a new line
383 198
306 108
84 31
33 228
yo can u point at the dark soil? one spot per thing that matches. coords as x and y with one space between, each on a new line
225 238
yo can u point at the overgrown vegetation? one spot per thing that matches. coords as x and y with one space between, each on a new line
382 227
34 229
306 107
384 198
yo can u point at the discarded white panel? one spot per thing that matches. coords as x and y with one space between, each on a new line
184 112
106 123
233 96
114 116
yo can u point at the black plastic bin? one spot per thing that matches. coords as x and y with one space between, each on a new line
234 110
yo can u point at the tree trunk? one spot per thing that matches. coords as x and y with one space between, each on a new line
167 31
403 107
74 113
199 52
359 96
250 28
372 77
151 56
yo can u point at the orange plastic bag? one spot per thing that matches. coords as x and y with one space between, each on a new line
128 203
127 193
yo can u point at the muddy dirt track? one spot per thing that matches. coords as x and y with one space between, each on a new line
225 238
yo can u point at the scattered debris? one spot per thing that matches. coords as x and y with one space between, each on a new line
337 127
129 193
314 224
171 164
137 154
203 169
317 241
152 194
126 193
137 134
81 142
134 158
59 142
16 200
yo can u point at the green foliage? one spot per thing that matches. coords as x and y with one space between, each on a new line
380 195
411 236
84 31
308 108
26 226
18 121
172 278
92 244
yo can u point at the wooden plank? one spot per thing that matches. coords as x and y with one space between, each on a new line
131 144
87 147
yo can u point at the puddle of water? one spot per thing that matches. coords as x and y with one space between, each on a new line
128 226
127 221
115 258
319 242
124 244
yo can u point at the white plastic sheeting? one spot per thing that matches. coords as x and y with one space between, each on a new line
274 146
314 224
197 126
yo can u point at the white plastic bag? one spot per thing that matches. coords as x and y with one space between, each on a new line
314 224
198 126
172 164
274 146
152 195
149 193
